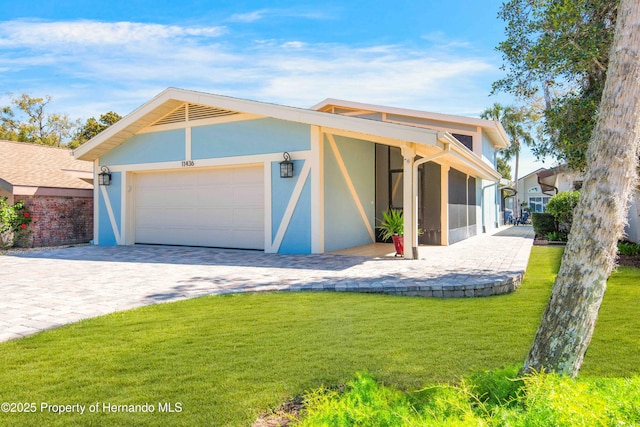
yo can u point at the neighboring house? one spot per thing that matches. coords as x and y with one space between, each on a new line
191 168
56 188
530 192
536 188
561 178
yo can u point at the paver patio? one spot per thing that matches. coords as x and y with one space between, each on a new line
49 288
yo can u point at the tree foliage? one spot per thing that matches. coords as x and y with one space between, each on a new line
556 54
93 127
517 123
27 119
504 168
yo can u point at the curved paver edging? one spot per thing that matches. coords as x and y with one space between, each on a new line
486 289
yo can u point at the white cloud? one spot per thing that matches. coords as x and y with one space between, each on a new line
43 35
248 17
90 67
257 15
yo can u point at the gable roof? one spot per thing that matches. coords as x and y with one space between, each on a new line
32 165
174 105
493 129
535 172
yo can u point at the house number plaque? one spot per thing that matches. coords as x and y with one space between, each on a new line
188 163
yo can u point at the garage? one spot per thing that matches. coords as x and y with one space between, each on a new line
220 207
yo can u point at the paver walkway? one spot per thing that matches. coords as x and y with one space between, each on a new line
45 289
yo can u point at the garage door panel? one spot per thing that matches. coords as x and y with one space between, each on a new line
217 207
250 218
215 217
162 235
254 176
215 177
212 196
251 238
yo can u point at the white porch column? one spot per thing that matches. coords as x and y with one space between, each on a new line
444 205
317 190
408 155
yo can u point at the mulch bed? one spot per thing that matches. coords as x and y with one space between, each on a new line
623 260
283 416
629 260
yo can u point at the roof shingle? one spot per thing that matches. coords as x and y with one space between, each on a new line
32 165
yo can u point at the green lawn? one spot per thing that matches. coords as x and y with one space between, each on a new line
224 359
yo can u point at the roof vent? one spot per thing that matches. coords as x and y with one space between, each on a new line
199 112
176 116
196 112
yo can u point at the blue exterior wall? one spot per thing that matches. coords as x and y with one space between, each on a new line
297 239
344 227
106 236
488 150
259 136
153 147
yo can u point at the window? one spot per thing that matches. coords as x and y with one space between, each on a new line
467 140
538 204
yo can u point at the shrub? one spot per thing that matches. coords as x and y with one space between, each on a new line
628 248
486 398
557 236
561 206
14 221
543 223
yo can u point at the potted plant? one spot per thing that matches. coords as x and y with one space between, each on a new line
392 227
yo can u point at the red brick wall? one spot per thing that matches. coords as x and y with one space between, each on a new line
58 220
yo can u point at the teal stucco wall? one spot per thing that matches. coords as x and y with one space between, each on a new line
344 226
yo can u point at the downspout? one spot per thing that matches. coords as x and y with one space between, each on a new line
442 137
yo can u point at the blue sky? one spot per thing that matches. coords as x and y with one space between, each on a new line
92 57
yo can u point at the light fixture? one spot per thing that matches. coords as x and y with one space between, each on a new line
286 166
104 177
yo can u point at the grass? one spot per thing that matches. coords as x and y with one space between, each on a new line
225 359
498 398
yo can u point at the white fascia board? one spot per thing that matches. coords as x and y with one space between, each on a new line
82 152
127 125
458 150
501 142
312 117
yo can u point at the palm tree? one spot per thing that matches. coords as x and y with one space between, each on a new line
516 123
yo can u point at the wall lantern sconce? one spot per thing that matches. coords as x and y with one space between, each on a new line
286 166
104 177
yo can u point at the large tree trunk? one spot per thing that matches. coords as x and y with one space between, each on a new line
568 322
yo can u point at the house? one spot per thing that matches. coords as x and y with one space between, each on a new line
56 188
192 168
561 178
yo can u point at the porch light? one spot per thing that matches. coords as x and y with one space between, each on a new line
104 177
286 166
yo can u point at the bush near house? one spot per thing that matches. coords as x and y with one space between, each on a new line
561 206
14 221
543 223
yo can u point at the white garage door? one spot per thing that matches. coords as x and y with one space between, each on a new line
221 207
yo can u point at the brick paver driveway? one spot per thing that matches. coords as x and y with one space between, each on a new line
45 289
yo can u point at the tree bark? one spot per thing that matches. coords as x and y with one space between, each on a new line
569 319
